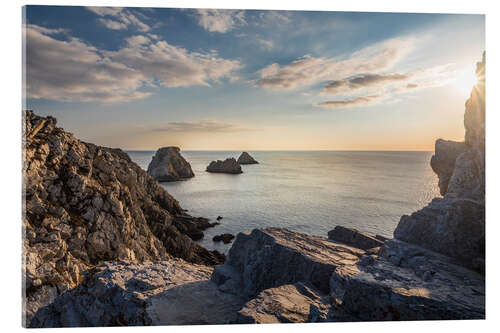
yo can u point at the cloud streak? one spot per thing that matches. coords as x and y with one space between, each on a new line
204 126
72 70
352 102
117 18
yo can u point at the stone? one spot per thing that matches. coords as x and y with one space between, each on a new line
229 165
168 165
245 158
268 258
354 238
225 238
407 282
171 292
289 303
443 161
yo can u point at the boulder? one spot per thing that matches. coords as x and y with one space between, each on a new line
245 158
225 238
271 257
229 165
354 238
168 165
443 161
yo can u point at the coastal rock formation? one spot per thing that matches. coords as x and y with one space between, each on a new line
354 238
225 238
455 224
245 158
127 294
86 204
229 165
168 165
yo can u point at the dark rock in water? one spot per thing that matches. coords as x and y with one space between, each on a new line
193 227
227 166
219 218
225 238
354 238
455 225
86 204
168 165
245 158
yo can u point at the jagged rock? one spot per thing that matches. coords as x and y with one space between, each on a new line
354 238
245 158
229 165
193 227
171 292
290 303
406 282
85 204
443 161
225 238
268 258
168 165
455 224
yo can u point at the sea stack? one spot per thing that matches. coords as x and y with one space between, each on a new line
245 158
229 165
168 165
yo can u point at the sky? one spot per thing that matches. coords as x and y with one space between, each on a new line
208 79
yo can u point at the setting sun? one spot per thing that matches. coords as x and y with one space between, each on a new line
465 80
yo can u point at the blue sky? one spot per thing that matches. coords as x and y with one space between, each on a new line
141 78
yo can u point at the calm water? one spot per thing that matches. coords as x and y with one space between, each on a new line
310 192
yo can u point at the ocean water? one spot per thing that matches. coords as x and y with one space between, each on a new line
310 192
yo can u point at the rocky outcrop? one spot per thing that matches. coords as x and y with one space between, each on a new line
225 238
245 158
171 292
455 224
168 165
229 165
354 238
86 204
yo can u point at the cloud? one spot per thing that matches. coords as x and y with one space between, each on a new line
220 20
265 44
364 81
200 126
275 17
310 70
352 102
72 70
119 18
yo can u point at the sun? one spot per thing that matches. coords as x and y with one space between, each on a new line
465 80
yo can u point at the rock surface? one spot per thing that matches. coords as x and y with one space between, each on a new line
455 224
127 294
168 165
225 238
245 158
86 204
229 165
354 238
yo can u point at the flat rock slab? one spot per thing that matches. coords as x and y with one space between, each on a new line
354 238
407 283
267 258
172 292
291 303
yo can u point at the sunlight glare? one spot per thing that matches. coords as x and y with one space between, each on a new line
465 80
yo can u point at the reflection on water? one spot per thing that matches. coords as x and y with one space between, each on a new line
310 192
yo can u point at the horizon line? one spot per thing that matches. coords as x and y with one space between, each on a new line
290 150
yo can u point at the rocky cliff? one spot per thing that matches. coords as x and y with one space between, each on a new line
86 204
168 165
455 224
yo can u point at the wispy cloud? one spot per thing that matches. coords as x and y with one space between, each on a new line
352 102
310 70
211 126
220 20
72 70
265 44
275 17
117 18
363 81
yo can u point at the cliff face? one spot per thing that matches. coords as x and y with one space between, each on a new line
86 204
455 224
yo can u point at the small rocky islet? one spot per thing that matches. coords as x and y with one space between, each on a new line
168 165
106 245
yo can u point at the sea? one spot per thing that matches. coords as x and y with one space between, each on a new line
306 191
